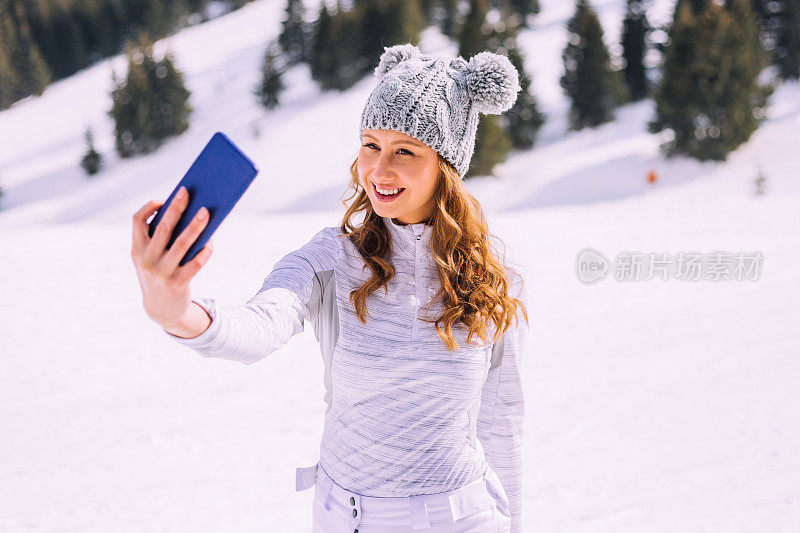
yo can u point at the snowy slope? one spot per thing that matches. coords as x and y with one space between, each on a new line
651 406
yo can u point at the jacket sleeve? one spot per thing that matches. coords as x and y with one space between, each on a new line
249 332
502 410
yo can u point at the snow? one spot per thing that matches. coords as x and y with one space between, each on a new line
651 405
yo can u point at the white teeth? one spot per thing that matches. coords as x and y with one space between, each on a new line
386 191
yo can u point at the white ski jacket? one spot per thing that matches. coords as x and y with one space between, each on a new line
404 415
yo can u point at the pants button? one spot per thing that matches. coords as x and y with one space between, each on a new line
355 513
352 501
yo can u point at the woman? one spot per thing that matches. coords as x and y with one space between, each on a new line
416 315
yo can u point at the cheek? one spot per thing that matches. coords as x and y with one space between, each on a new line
362 173
428 186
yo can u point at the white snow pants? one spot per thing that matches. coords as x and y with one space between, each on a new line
478 507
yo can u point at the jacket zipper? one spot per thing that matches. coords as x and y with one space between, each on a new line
417 237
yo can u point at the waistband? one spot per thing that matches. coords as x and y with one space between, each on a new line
418 511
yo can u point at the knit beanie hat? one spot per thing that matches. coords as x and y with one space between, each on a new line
437 100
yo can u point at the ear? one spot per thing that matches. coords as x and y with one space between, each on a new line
492 82
393 56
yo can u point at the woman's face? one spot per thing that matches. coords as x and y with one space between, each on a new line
389 160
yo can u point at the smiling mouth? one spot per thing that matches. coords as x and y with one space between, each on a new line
387 196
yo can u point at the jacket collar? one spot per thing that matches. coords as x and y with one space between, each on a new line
404 237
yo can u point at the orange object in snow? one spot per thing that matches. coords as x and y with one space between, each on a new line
652 177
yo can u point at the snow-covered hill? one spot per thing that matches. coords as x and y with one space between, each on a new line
651 406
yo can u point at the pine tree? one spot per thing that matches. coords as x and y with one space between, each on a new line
501 36
383 24
492 145
170 109
428 10
588 79
197 6
102 27
68 53
697 6
272 69
128 110
787 39
293 36
406 22
766 11
23 72
348 59
10 80
348 44
116 24
680 73
85 19
44 19
337 61
238 4
524 8
761 8
635 28
322 62
492 141
746 98
710 97
71 35
162 17
151 104
450 18
474 33
524 119
373 28
92 161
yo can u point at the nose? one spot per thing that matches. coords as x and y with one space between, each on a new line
383 171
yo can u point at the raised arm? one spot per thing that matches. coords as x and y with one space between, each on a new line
249 332
502 410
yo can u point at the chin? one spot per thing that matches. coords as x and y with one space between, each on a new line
382 210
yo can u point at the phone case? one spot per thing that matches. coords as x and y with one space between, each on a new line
216 180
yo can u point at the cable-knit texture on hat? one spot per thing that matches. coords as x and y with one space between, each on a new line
437 100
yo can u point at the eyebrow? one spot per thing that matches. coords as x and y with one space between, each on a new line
397 142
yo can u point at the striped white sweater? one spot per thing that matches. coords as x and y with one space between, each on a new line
404 415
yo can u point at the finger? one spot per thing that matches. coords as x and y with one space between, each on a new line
188 271
186 239
140 226
158 244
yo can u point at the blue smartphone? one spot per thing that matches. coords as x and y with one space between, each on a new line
216 180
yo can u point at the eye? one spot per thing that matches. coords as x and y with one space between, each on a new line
403 149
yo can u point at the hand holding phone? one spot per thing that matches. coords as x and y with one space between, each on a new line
166 295
176 244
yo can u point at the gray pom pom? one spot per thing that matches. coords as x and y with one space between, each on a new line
393 56
492 83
